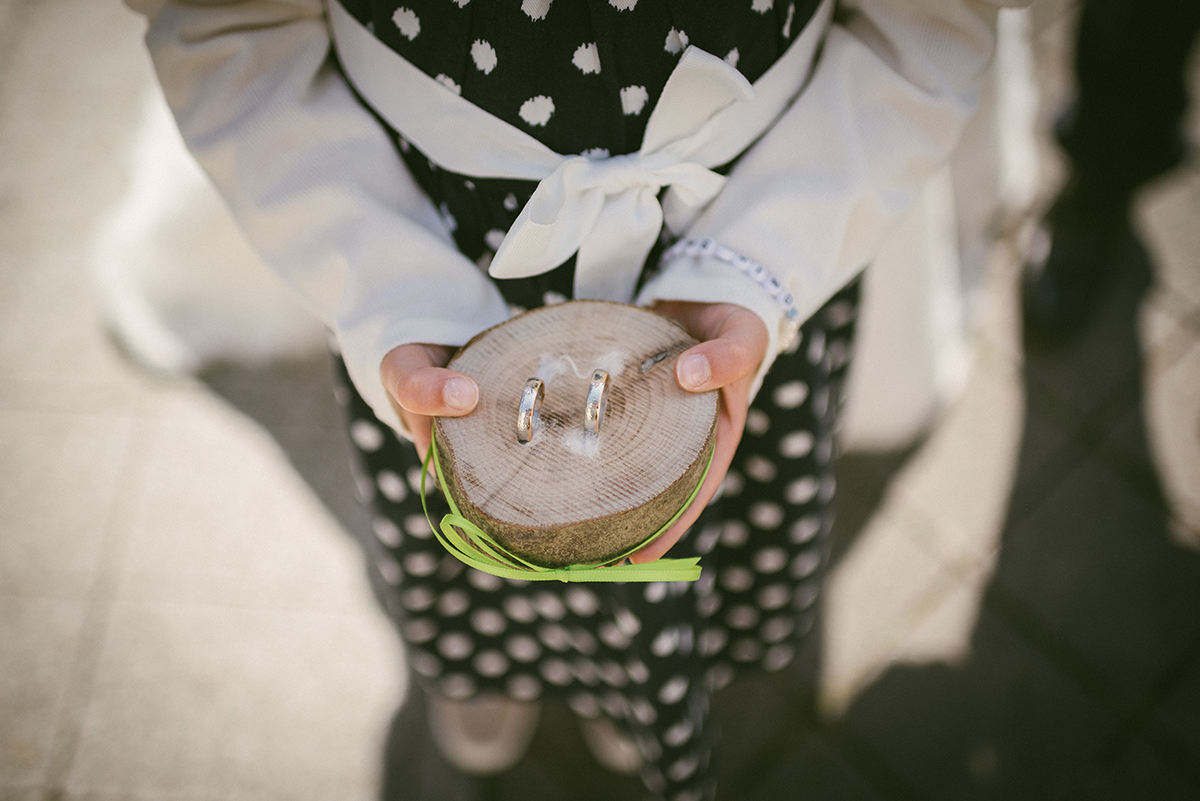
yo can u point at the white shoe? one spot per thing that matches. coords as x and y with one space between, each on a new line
612 749
488 734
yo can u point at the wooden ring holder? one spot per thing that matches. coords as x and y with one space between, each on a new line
570 497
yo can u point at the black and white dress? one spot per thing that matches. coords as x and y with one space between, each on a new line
580 77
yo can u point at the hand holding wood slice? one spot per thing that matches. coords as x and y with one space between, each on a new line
568 496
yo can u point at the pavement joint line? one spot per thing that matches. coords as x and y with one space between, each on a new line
1140 723
1082 438
101 597
873 767
965 564
1159 692
1042 637
759 768
1176 344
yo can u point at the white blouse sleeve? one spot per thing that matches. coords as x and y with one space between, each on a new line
891 91
314 180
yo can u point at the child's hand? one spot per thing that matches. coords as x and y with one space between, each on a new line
421 389
733 343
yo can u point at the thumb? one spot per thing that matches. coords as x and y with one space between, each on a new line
413 375
733 346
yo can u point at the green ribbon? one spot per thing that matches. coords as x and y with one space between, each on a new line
475 548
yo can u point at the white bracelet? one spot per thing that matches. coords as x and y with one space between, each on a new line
709 248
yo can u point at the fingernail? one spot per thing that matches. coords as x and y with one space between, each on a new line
460 393
694 371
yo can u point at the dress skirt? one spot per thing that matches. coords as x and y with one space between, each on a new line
647 656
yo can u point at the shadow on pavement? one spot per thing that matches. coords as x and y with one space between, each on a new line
1084 675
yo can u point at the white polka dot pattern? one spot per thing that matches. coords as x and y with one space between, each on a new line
758 422
420 564
790 395
454 645
453 603
391 486
484 581
802 490
522 648
537 110
760 469
633 100
676 42
536 9
766 515
417 526
366 436
407 23
674 690
734 534
524 688
587 59
386 531
484 56
733 484
490 663
796 445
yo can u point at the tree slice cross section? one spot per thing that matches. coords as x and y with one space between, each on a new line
569 496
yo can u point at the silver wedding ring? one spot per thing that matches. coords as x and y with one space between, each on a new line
597 402
531 406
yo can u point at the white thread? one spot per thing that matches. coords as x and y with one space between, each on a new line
551 366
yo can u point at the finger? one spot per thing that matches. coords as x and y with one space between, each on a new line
414 377
729 434
735 342
716 474
436 392
419 428
716 364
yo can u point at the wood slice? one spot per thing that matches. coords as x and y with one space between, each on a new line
568 496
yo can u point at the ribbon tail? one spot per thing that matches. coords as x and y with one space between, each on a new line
612 254
549 229
661 570
685 199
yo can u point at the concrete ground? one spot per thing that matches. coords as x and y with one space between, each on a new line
1014 610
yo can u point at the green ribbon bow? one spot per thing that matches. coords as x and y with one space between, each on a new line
475 548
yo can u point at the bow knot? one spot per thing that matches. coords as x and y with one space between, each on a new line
608 211
620 173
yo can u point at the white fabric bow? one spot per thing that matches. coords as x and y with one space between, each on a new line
606 209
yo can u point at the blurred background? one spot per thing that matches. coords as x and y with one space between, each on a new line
1014 610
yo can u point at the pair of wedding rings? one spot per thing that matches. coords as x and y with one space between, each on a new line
534 393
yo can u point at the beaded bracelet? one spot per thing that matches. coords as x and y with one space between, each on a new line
709 248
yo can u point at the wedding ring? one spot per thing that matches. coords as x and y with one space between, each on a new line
597 402
530 408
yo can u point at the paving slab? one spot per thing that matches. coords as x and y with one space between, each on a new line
233 702
1007 724
1177 718
1095 563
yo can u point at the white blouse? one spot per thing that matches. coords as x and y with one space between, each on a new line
315 182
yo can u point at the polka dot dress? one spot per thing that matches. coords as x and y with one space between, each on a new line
646 656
